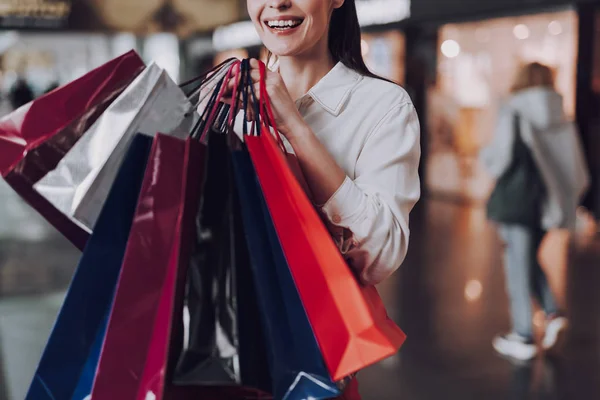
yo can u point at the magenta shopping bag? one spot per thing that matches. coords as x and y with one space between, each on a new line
35 137
144 273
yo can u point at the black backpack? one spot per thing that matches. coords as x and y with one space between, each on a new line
519 192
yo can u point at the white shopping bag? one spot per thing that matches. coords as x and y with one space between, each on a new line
560 157
79 185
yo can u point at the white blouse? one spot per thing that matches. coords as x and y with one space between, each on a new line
371 129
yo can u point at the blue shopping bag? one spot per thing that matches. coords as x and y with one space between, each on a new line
297 366
86 379
68 364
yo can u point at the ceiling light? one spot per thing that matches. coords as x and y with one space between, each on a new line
555 28
450 48
521 31
473 290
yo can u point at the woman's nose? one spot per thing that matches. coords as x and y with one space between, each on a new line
280 4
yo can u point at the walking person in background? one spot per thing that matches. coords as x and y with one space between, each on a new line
533 194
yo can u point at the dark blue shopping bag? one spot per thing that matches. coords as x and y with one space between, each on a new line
68 364
86 379
297 367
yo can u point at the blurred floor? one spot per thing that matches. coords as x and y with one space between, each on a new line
25 323
449 298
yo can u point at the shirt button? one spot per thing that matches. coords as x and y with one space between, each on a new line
336 219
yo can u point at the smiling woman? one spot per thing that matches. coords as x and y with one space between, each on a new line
356 136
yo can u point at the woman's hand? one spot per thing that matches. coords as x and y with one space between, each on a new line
323 174
287 117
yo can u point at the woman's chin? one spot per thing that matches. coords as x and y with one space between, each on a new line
288 53
280 48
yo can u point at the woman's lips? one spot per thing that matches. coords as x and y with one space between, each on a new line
284 25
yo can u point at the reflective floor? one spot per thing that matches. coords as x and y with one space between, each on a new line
449 298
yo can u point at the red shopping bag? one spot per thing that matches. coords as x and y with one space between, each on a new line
35 137
167 332
351 392
349 320
144 336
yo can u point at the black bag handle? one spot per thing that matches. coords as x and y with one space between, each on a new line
245 96
255 102
243 86
201 124
205 79
231 111
205 76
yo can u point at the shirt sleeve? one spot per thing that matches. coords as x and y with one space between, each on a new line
497 156
374 208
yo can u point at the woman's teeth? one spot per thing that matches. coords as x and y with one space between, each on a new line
283 24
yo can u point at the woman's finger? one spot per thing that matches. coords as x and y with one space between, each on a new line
257 89
254 63
229 102
255 75
250 114
230 85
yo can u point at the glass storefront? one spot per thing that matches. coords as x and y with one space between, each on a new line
477 62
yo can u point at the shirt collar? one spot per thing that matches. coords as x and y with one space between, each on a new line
334 89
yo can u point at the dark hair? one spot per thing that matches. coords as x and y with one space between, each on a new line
345 39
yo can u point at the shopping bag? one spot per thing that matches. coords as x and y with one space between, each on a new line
34 138
349 320
144 334
567 154
143 274
167 334
153 103
225 341
88 374
89 298
351 392
166 342
297 367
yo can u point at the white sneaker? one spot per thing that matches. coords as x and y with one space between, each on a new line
554 335
515 346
